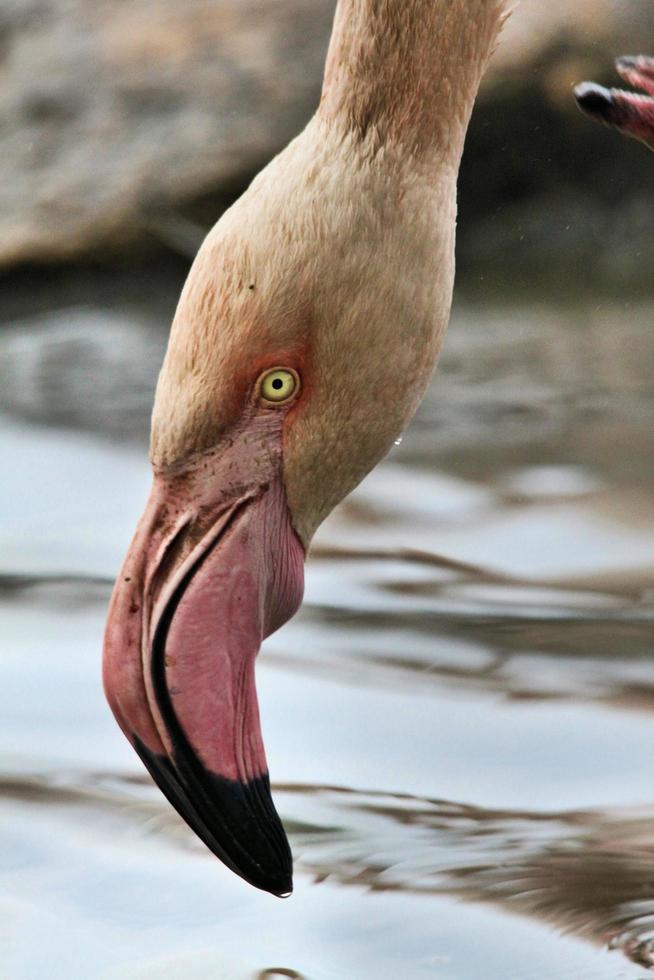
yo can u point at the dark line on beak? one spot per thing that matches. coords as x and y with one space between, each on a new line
225 814
163 772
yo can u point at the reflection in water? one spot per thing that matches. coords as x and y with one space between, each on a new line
477 624
279 971
586 872
591 873
445 622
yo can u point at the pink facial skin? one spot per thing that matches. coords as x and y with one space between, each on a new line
629 112
215 567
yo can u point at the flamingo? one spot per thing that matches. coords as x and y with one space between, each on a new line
305 336
629 112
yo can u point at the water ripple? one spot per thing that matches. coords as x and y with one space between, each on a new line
585 872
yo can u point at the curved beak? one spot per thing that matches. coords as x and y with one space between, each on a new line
215 567
631 113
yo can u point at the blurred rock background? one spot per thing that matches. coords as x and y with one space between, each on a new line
130 126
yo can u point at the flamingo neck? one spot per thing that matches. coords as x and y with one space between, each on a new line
405 73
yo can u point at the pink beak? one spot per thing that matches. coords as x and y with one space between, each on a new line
629 112
215 567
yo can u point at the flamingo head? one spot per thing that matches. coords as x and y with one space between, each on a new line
304 337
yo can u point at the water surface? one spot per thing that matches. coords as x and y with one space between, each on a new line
459 723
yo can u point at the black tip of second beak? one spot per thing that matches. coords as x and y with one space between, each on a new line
237 821
594 99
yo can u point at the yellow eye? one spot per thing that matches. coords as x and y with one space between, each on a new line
279 385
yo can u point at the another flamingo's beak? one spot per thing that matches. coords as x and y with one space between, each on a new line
631 113
215 567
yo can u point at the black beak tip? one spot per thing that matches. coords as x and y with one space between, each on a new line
276 879
236 821
278 883
594 99
280 888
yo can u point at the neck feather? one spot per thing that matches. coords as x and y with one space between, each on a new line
406 72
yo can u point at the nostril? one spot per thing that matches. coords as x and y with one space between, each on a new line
593 98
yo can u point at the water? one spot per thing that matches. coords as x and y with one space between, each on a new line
458 723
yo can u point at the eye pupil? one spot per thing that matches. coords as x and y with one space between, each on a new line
279 385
